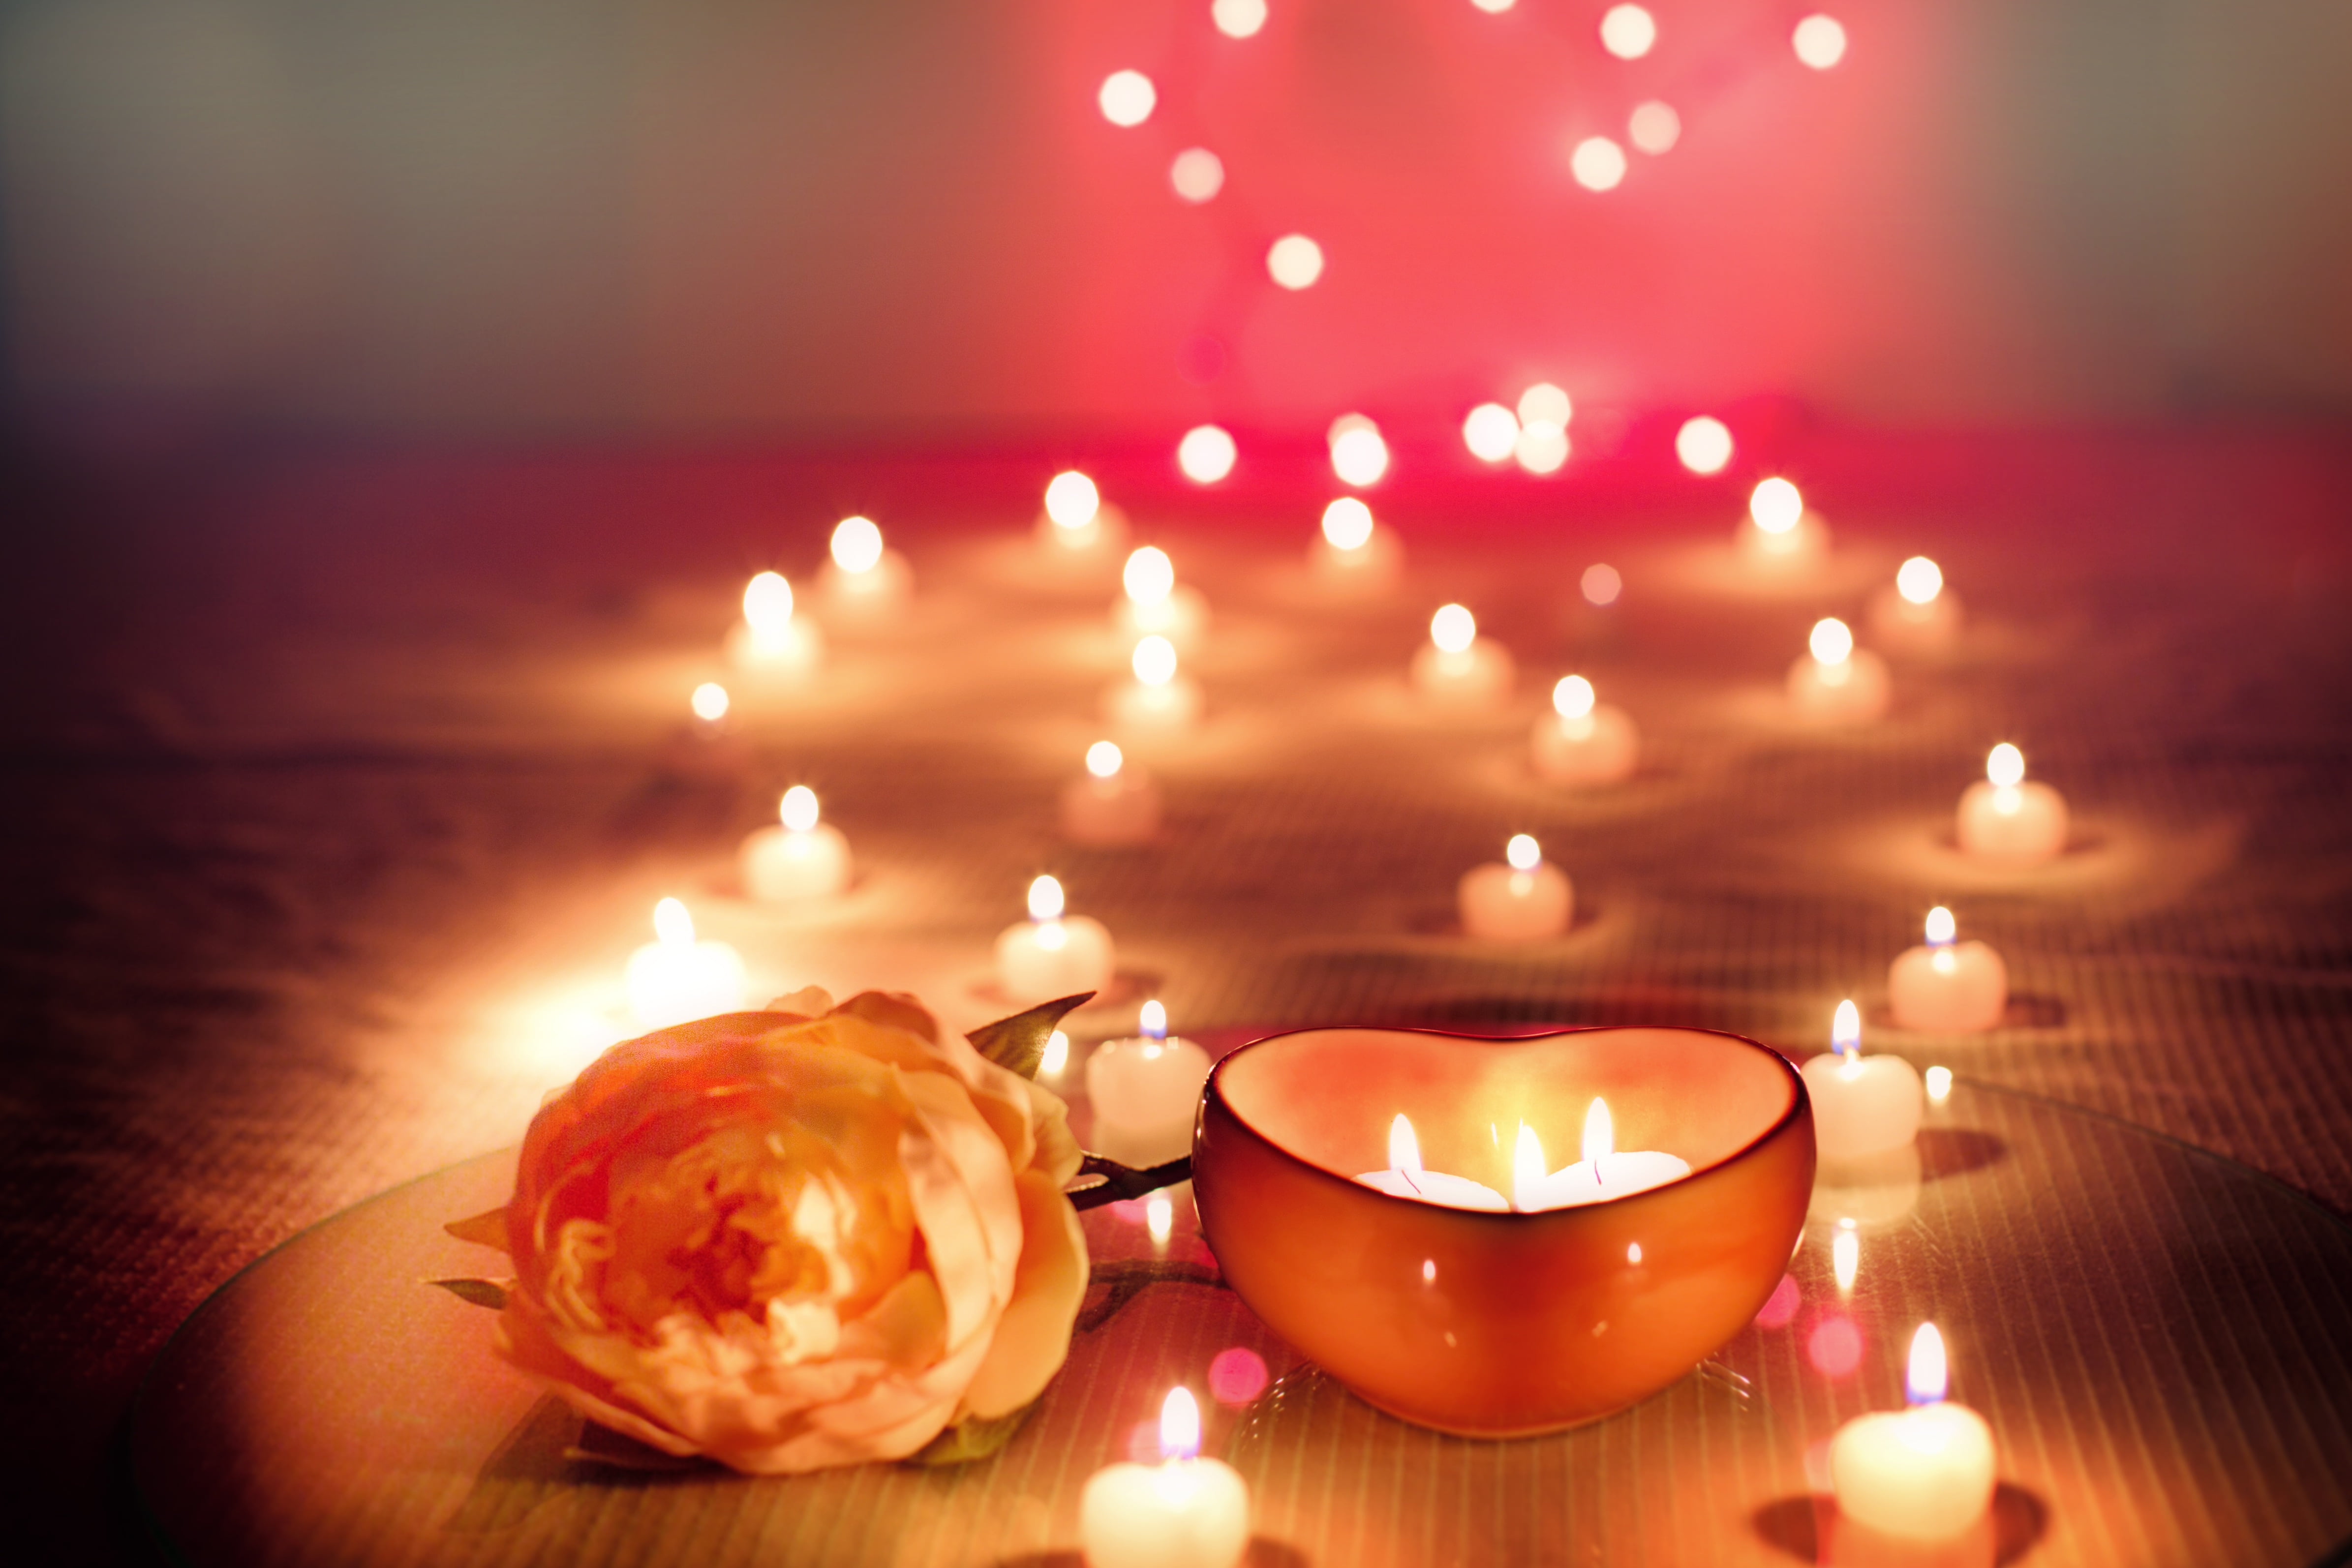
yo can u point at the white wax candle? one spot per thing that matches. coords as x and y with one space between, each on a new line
863 577
799 858
1146 1091
1523 900
1156 603
770 639
1863 1105
1185 1512
1077 526
1158 700
1458 668
1780 530
1115 803
1354 553
675 978
1582 741
2008 821
1052 954
1946 985
1916 615
1405 1178
1835 682
1925 1473
1603 1174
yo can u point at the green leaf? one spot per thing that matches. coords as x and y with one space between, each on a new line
971 1439
481 1292
1017 1044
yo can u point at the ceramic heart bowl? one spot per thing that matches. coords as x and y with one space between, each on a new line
1502 1325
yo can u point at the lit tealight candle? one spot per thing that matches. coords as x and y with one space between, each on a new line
1781 531
1457 666
1354 552
1076 523
1183 1512
675 978
2006 819
1583 741
1863 1105
709 703
865 576
1145 1090
1834 682
770 639
1405 1178
800 858
1917 615
1156 602
1113 802
1523 899
1157 699
1603 1174
1052 954
1925 1473
1947 986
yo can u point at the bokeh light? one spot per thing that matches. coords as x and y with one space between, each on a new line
1490 431
1198 174
1149 576
798 811
1704 444
1127 98
1154 660
1919 580
1655 127
1071 500
1494 7
1453 628
1544 404
1600 584
1820 41
1573 697
1598 163
1834 1347
1777 505
1541 448
1295 261
1628 32
1523 853
1348 523
857 544
1237 1374
709 702
1206 453
1238 18
1359 456
1831 640
1104 759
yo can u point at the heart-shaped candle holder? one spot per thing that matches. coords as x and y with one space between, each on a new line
1502 1325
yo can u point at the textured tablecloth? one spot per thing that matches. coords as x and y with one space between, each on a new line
338 790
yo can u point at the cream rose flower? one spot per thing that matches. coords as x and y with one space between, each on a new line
788 1239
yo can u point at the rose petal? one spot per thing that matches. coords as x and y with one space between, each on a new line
962 1189
1032 1337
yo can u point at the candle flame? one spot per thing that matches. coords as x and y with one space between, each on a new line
1207 452
1155 661
1919 580
798 809
1523 852
1151 1019
1573 697
1939 1084
1776 505
1453 628
1104 759
1599 1132
1404 1149
708 701
1180 1424
673 926
767 604
1491 432
1527 1168
857 545
1928 1376
1149 576
2005 766
1942 929
1057 1055
1159 1215
1347 524
1845 1030
1831 641
1045 899
1704 444
1071 500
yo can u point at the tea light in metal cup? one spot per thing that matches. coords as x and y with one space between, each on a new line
800 858
1458 667
1115 803
1863 1105
1051 954
1524 899
1947 986
1583 740
2008 821
1834 682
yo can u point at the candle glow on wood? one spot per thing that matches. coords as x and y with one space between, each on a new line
1924 1473
1184 1512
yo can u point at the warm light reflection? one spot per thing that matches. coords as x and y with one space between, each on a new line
1071 500
1845 1255
1295 261
1154 660
1927 1377
673 926
2005 766
1206 454
1942 929
1056 1057
1494 7
1404 1148
798 810
1347 524
1919 580
1238 18
1149 576
1655 127
1127 98
1598 163
1490 431
708 701
1542 447
1845 1030
1524 853
1453 629
1045 899
1544 404
1573 697
1197 174
1600 584
1831 640
1628 32
1359 454
1776 505
1939 1084
857 545
1180 1424
1104 759
767 606
1151 1020
1704 444
1160 1216
1632 1252
1820 41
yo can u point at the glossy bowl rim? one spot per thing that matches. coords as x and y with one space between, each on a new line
1213 1090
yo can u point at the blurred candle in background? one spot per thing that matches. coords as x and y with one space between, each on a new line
864 576
1523 899
1583 740
2007 820
1353 551
1158 700
1917 613
676 978
1458 668
799 858
771 639
1947 986
1051 954
1077 526
1112 802
1155 603
1834 682
1781 531
1145 1090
